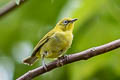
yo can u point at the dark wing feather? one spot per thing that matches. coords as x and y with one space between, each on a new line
44 40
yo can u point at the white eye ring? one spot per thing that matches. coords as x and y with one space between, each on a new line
65 22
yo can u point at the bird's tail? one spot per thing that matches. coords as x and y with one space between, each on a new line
30 60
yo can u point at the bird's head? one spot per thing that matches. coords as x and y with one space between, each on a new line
66 24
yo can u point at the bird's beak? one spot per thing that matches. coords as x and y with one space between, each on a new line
73 20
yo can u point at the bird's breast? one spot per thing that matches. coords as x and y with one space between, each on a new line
64 38
61 41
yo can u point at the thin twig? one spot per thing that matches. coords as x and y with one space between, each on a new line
84 55
9 7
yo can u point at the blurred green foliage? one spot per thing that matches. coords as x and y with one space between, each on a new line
21 29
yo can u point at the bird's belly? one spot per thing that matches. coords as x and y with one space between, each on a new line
57 45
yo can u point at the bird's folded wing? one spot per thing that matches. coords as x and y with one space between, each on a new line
44 40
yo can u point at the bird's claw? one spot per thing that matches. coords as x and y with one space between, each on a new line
45 67
60 60
93 49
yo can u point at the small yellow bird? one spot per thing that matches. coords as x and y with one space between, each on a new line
54 43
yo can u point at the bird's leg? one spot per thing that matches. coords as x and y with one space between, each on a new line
43 62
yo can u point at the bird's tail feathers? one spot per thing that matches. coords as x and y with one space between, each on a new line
30 60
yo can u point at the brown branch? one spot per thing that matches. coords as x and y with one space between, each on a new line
84 55
9 7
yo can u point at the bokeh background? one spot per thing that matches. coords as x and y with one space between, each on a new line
21 29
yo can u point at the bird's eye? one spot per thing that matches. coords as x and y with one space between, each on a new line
65 22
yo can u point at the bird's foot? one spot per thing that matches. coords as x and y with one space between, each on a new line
45 67
61 60
93 49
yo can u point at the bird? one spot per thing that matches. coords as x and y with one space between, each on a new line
55 43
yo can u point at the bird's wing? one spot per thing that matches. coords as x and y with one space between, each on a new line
44 40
